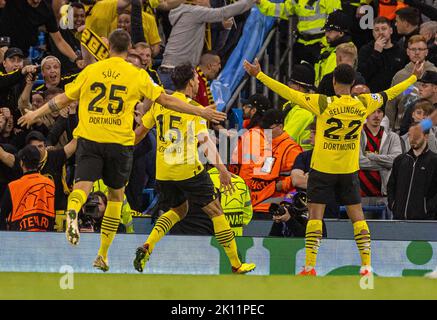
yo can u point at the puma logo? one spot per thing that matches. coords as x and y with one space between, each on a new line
105 234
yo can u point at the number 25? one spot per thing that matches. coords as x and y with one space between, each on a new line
114 96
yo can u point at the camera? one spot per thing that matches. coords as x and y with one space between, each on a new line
91 207
5 41
295 203
90 217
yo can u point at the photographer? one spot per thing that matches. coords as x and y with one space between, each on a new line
91 215
290 217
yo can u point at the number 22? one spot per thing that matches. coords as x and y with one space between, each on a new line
337 124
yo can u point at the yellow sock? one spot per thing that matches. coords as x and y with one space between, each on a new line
162 226
313 237
110 223
225 236
362 238
60 221
76 200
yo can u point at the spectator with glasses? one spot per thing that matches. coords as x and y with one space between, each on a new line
417 51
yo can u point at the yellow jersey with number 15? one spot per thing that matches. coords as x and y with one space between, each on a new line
177 156
108 92
339 122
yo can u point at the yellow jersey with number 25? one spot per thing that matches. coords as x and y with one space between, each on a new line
339 122
108 91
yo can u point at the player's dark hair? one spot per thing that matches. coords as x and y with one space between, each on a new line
119 41
77 5
409 14
30 157
344 74
181 75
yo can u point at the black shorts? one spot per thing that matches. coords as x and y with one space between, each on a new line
111 162
198 190
328 188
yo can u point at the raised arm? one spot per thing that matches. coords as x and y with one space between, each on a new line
309 102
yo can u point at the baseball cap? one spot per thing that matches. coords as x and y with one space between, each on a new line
271 117
35 135
429 77
12 52
258 101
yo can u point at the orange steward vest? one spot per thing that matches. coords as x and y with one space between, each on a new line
33 203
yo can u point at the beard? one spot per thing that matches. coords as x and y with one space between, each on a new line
418 145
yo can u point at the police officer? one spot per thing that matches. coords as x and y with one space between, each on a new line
311 16
337 30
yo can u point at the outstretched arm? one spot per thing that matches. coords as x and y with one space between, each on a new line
209 113
57 103
279 10
310 102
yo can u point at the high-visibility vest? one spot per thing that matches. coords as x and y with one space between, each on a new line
126 211
327 64
296 123
388 8
237 207
311 14
33 203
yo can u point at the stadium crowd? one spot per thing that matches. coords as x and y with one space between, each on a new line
42 49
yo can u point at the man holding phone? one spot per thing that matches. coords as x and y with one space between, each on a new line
379 60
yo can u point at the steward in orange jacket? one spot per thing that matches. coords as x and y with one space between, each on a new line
29 202
271 179
249 151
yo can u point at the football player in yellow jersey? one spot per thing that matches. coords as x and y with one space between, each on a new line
102 14
108 92
181 176
335 160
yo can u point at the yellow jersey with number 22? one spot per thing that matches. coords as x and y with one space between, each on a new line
339 122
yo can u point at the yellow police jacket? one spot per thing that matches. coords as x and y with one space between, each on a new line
311 15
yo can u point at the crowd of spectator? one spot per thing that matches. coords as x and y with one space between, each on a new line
41 52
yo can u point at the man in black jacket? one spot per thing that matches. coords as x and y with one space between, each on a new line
412 187
379 60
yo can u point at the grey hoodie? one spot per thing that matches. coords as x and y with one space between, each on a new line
187 36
